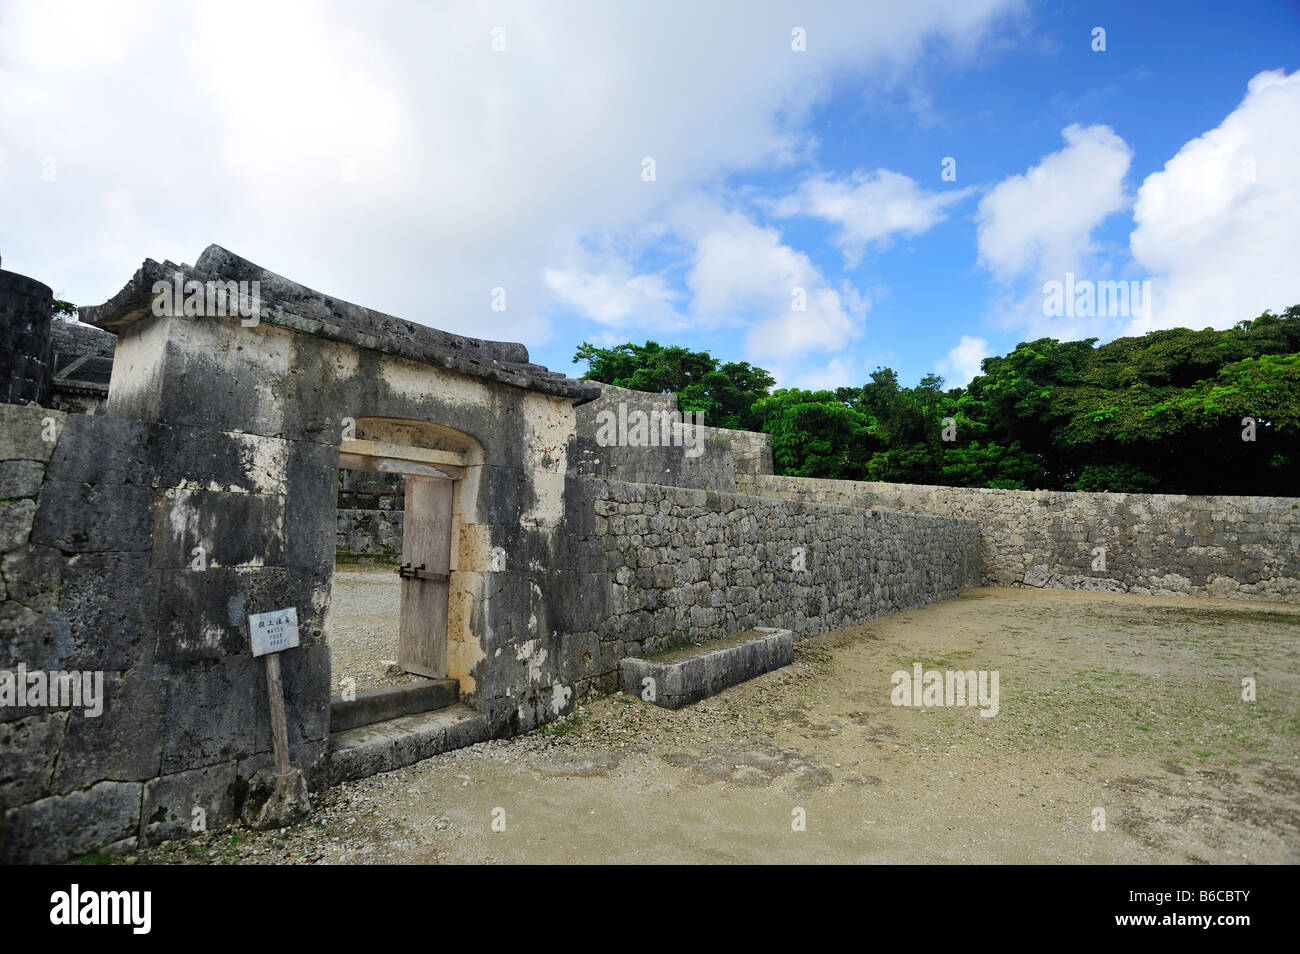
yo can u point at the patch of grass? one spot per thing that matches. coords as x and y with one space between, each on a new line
681 650
569 726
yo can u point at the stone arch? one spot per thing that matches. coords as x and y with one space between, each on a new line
412 446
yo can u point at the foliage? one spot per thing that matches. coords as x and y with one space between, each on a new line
1165 412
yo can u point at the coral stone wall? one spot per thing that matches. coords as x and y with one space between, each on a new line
1165 544
668 563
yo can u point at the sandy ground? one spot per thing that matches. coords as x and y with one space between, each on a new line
1132 705
365 609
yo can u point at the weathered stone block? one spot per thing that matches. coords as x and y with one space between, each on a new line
234 529
23 432
211 713
66 826
309 521
123 741
84 518
111 603
28 750
106 450
20 478
276 801
170 802
32 576
16 519
37 640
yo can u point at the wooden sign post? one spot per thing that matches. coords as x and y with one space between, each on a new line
272 634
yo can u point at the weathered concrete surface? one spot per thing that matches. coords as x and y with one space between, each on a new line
680 682
1158 544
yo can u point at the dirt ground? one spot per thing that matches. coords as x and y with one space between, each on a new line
365 608
1128 704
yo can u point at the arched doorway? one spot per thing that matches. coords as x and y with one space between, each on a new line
434 463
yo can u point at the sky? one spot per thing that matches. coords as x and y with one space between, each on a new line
818 189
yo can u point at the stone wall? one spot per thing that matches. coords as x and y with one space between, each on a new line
82 365
24 339
723 453
370 517
100 521
369 536
663 564
1240 547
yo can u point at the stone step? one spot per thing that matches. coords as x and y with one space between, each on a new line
384 746
679 681
380 705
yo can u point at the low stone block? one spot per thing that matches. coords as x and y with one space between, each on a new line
685 680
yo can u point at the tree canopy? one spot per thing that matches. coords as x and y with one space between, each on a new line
1165 412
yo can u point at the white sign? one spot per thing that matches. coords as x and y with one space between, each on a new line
274 632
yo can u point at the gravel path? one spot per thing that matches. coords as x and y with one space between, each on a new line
1131 705
365 608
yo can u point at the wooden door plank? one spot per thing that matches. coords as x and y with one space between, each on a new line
426 539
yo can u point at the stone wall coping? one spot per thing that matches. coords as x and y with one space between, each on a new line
290 305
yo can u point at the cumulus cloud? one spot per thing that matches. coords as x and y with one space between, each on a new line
840 371
1041 223
615 296
744 269
962 363
390 156
1219 226
869 207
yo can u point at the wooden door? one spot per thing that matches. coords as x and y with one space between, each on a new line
426 549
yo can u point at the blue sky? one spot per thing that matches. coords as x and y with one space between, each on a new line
1169 73
416 158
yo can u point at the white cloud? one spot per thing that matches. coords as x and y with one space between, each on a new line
744 270
840 371
616 298
1040 223
869 207
387 155
963 361
1219 226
